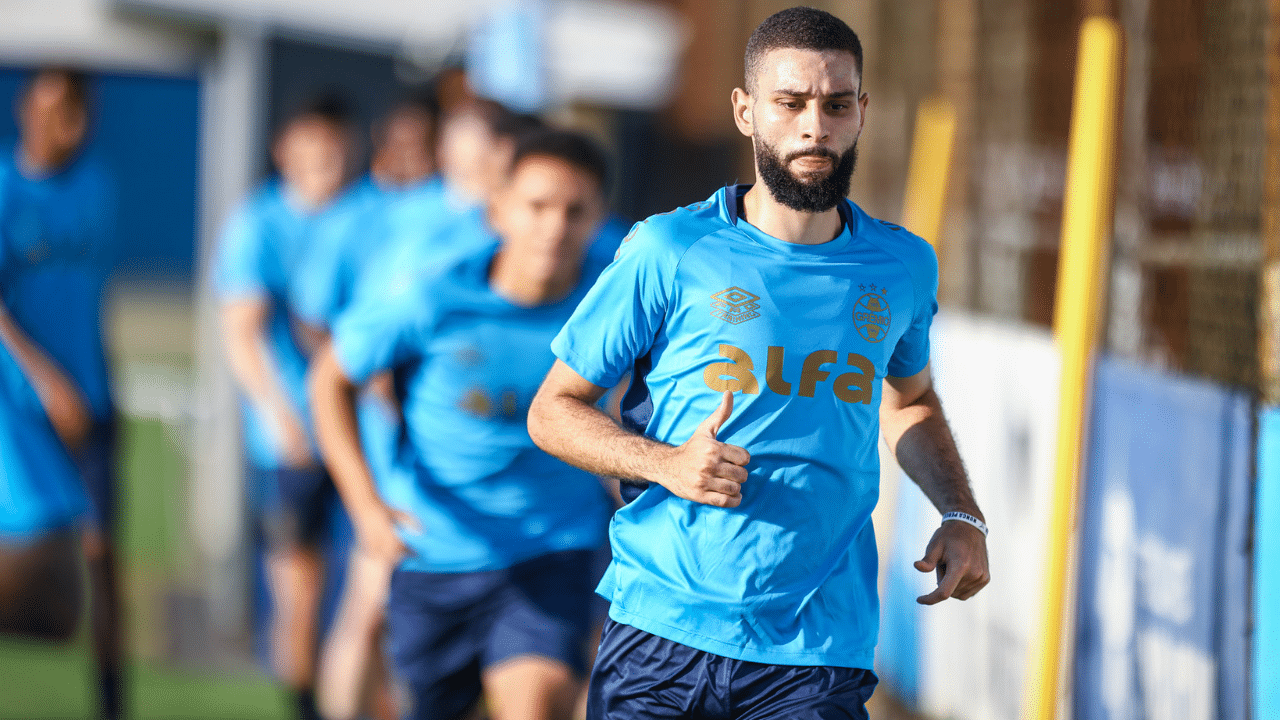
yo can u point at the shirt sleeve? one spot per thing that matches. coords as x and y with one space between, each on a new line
911 354
617 321
327 281
370 337
240 270
322 288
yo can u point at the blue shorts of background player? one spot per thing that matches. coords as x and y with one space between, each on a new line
632 665
95 458
446 629
294 504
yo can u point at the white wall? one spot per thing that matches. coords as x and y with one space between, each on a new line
94 33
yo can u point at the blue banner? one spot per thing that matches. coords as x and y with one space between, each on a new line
1163 586
1266 582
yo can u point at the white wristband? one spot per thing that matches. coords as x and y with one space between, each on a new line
966 518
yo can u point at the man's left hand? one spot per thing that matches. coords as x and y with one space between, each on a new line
958 552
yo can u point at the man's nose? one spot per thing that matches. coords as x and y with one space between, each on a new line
813 124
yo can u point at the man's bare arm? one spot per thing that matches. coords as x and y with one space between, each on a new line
66 406
244 327
565 421
333 402
916 429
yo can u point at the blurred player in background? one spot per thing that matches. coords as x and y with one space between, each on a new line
477 139
57 212
492 537
405 144
262 267
744 575
351 678
42 500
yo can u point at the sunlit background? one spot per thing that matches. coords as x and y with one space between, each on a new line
1174 592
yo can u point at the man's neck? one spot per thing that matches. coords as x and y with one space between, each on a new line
36 168
772 217
507 278
309 205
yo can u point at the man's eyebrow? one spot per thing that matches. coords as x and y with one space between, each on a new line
805 94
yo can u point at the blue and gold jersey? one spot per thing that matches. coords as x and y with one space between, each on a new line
56 252
268 252
699 301
467 364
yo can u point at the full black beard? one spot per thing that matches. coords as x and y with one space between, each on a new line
811 196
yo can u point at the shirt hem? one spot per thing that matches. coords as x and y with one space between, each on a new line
413 563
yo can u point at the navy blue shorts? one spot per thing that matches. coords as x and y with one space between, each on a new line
96 461
444 629
640 675
294 504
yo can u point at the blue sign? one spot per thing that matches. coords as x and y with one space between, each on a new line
1163 588
1266 572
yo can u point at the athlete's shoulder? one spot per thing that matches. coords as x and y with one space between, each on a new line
265 200
670 234
363 194
911 249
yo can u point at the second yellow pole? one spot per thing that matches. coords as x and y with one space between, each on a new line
1086 236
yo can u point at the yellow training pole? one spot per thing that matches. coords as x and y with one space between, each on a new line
1086 235
930 166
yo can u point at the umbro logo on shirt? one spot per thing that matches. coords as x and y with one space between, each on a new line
735 305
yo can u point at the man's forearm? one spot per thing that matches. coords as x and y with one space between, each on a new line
63 402
333 398
583 436
35 364
922 441
252 363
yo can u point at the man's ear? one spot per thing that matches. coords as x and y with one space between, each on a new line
742 112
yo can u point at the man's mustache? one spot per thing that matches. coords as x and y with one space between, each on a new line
812 152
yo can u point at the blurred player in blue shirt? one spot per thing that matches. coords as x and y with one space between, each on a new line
262 267
773 332
57 214
493 537
350 675
477 140
42 500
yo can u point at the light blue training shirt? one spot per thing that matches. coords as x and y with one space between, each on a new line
697 302
267 252
467 364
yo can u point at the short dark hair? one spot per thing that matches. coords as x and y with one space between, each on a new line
421 99
75 80
572 147
803 28
503 122
329 106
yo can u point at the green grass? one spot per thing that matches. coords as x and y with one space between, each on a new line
41 681
45 682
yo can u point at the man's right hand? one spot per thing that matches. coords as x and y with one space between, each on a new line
376 531
704 469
